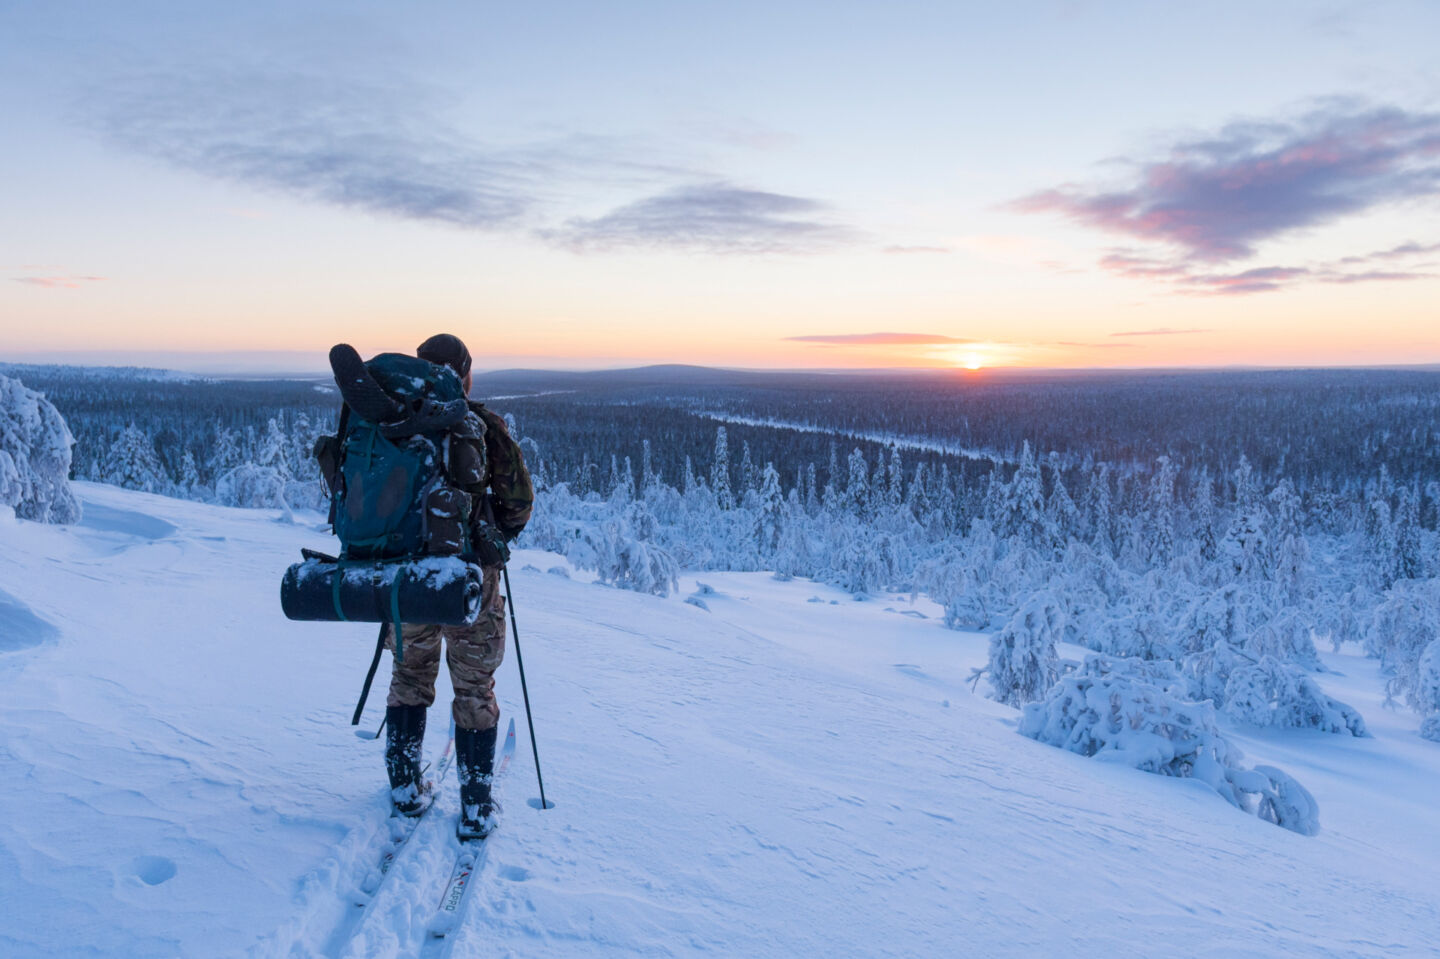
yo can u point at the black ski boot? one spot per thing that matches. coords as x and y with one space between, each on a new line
475 765
405 731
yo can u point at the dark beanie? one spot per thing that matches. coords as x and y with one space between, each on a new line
446 349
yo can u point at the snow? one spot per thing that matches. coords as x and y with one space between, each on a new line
892 440
768 776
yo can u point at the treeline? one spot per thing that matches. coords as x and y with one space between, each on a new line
1321 429
183 436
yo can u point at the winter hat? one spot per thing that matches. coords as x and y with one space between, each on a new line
446 349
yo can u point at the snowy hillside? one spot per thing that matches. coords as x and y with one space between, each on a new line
785 772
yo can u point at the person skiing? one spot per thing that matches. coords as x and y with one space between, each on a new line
503 497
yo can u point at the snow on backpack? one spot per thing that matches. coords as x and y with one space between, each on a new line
394 496
407 445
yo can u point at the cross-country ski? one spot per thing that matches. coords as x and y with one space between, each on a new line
398 830
469 861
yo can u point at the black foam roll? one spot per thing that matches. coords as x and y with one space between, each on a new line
443 590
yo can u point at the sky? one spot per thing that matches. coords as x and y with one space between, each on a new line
768 185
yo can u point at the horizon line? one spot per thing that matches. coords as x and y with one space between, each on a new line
39 358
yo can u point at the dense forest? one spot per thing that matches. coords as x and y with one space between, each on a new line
1201 531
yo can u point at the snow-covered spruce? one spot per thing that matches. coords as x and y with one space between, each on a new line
620 553
1272 693
1404 634
35 446
1134 712
1023 663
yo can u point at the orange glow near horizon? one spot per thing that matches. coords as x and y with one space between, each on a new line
610 322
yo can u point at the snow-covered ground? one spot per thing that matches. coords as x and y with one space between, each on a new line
788 773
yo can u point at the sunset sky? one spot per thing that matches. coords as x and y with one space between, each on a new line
776 184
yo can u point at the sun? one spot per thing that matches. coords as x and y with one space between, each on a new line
972 361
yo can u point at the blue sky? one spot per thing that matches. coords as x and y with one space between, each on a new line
741 184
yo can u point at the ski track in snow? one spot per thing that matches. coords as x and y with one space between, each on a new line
772 778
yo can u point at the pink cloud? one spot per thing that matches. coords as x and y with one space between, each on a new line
1213 200
1159 331
877 339
59 282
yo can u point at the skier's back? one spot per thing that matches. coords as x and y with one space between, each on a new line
486 463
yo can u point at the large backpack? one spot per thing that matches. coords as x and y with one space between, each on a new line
394 492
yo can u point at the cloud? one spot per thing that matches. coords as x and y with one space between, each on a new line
59 282
385 151
1215 198
1408 249
1130 264
1187 279
1098 346
1371 276
1269 279
915 249
708 218
877 339
1159 331
375 150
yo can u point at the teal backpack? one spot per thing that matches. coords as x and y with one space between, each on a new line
393 499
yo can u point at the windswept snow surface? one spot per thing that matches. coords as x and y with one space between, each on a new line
788 773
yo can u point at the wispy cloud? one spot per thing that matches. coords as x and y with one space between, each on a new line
915 249
710 218
877 339
375 150
1189 280
1402 251
1130 264
1159 331
1097 346
59 282
1371 276
1214 200
387 152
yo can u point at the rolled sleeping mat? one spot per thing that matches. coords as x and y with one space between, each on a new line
441 590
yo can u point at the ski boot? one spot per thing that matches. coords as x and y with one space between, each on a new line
474 765
405 731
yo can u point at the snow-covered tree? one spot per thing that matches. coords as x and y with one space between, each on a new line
857 486
1135 712
35 456
1272 693
252 487
1023 662
770 509
1426 695
1401 631
131 462
720 471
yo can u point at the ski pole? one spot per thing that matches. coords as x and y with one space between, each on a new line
365 690
520 661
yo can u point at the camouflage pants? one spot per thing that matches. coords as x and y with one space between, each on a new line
473 653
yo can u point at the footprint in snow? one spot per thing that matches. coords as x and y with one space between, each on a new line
153 870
